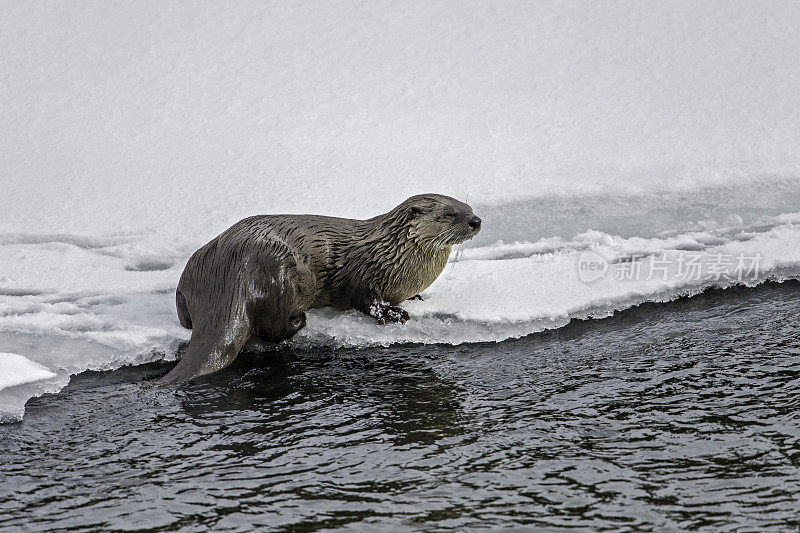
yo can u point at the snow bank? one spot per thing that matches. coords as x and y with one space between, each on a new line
185 117
99 314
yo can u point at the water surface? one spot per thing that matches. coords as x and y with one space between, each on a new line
664 416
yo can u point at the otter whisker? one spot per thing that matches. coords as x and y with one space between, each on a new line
459 252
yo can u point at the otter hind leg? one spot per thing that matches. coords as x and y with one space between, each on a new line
271 323
296 323
183 310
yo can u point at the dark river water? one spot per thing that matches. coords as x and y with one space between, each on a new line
664 417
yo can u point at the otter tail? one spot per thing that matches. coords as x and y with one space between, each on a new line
215 343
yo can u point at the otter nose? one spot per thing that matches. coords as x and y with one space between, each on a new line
475 222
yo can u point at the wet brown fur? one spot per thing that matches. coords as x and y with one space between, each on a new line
259 276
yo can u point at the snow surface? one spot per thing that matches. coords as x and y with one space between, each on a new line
135 132
18 370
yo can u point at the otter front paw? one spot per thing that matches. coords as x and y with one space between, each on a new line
383 312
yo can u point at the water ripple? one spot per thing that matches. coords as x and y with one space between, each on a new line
672 416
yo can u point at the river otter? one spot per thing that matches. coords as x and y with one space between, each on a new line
259 276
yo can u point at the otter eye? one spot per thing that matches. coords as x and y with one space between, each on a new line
416 210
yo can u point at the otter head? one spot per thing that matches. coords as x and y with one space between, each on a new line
440 219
